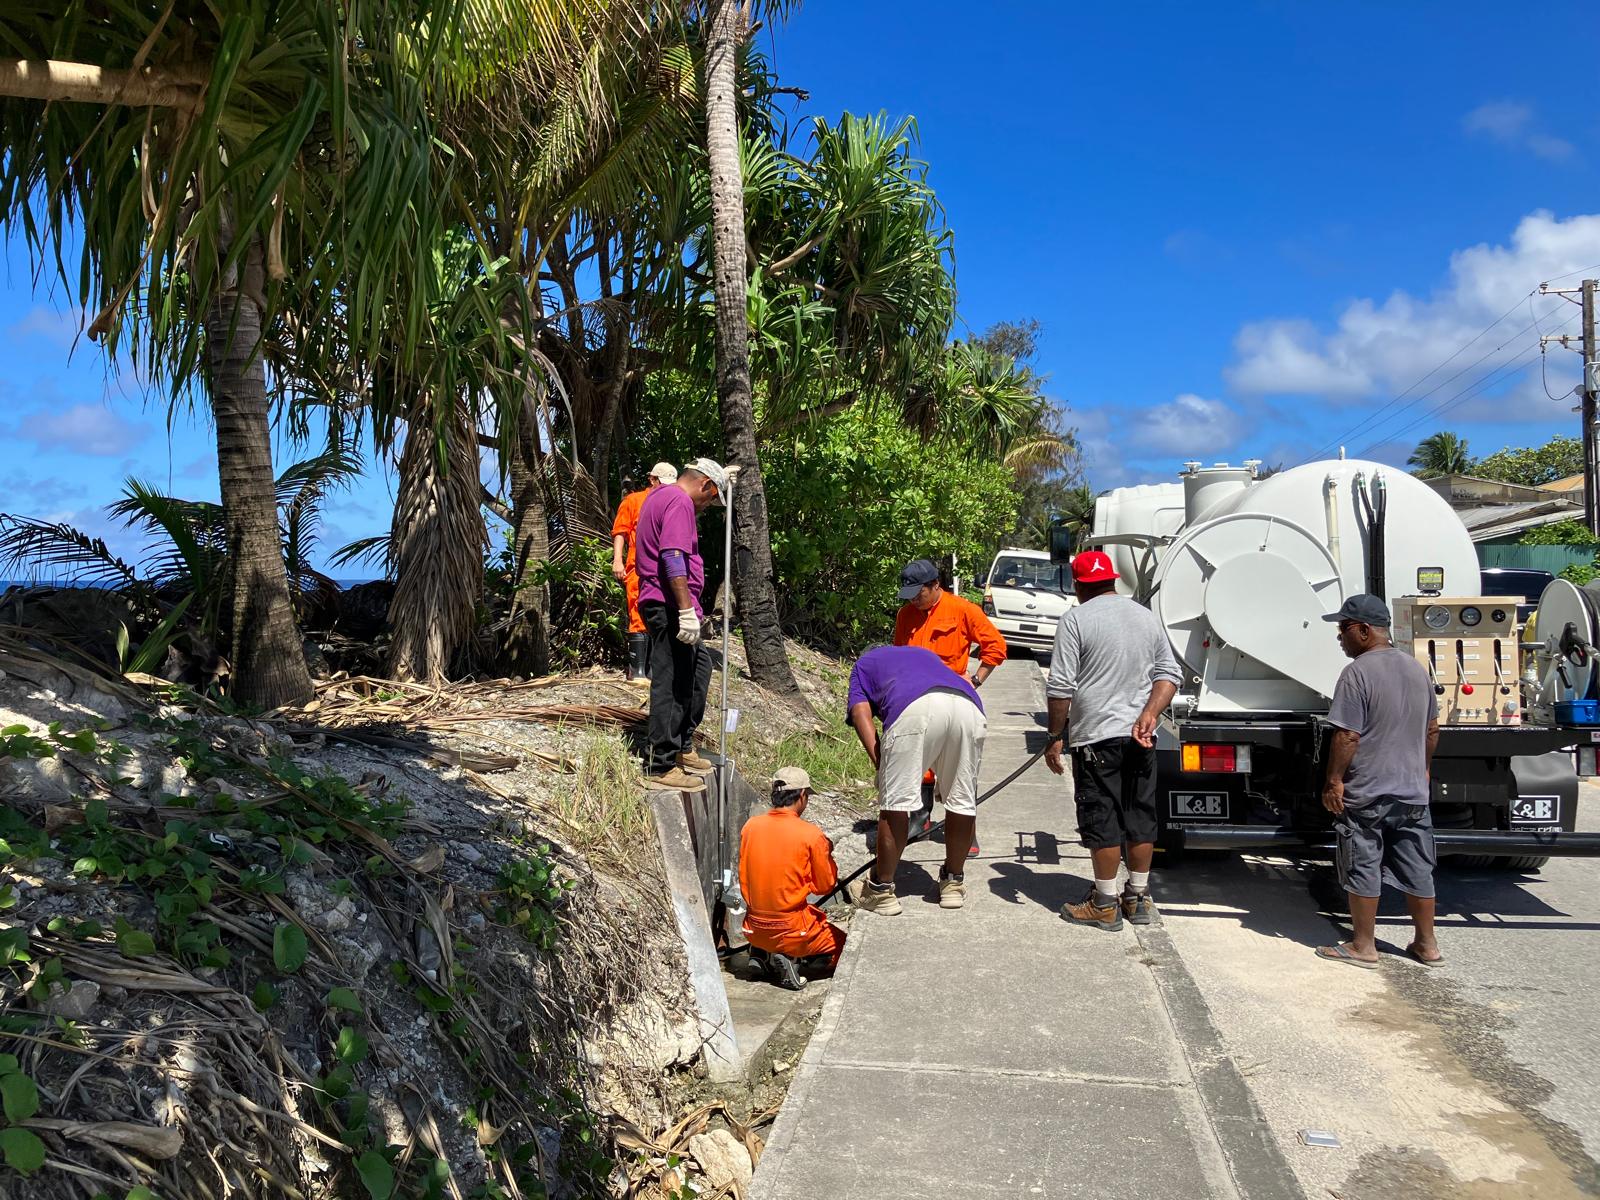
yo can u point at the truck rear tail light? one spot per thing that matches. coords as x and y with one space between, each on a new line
988 604
1213 756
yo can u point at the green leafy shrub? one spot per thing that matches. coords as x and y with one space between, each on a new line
857 496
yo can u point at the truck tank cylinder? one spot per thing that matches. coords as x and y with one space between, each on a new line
1204 488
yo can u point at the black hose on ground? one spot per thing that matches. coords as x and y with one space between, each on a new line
935 826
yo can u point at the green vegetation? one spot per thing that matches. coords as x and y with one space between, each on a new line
1446 453
1572 532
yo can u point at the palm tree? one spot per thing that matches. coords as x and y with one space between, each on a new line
202 161
753 580
1442 453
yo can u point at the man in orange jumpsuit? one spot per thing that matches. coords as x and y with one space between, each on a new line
943 622
622 568
784 860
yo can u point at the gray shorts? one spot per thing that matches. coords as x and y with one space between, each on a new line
1386 841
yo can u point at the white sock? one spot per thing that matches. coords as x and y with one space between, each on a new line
1107 888
1139 881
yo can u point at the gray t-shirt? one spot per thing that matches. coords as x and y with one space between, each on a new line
1385 696
1108 653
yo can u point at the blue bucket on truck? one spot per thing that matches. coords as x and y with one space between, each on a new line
1578 712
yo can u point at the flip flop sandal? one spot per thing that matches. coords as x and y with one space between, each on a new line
1411 953
1339 954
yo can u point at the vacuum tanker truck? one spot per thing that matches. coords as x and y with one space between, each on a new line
1240 569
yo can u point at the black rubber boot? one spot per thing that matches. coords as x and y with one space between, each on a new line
638 656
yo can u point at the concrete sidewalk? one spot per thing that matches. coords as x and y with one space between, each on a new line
997 1050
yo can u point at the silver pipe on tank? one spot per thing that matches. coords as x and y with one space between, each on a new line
1330 500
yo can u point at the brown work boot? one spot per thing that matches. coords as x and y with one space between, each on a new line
1091 910
675 780
880 900
1137 907
691 761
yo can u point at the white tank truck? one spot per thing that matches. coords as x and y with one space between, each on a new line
1240 570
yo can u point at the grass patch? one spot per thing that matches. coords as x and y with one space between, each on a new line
834 760
603 804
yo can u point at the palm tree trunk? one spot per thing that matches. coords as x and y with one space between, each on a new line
527 649
752 567
436 543
268 661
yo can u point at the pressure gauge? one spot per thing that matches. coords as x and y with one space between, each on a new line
1470 616
1437 616
1498 616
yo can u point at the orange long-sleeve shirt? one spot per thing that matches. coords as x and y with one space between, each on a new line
628 520
949 629
784 860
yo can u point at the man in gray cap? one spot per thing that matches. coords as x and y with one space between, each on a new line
671 576
1386 725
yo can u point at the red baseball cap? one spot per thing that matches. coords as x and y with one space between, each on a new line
1093 566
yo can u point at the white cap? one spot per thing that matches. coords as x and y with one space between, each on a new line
665 472
791 779
712 470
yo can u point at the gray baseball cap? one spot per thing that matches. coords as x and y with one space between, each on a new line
916 575
1365 608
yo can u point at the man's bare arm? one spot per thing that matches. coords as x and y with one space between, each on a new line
1341 751
1058 709
861 719
1161 693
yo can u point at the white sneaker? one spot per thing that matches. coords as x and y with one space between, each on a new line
952 891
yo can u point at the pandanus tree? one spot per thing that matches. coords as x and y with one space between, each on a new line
227 170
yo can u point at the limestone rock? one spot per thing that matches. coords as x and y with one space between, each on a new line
724 1160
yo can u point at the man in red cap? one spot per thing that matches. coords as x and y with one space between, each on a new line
1113 673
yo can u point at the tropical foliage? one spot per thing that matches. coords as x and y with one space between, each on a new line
1442 453
508 256
1534 466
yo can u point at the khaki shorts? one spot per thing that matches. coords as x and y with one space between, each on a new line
942 732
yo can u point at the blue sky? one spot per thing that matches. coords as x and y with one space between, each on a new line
1245 229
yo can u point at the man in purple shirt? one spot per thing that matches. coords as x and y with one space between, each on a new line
932 719
671 575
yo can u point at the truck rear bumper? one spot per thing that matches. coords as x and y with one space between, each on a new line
1491 842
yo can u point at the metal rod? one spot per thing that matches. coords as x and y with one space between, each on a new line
724 767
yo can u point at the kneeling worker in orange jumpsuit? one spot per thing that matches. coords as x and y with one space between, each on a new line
784 860
949 625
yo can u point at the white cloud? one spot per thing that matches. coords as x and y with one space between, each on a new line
38 322
1123 446
1511 123
82 429
1381 348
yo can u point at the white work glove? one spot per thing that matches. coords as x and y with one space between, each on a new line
688 626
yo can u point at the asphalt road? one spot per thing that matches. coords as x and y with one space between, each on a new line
1480 1078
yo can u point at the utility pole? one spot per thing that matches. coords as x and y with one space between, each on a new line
1589 389
1591 393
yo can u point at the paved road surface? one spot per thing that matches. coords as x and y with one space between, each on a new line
999 1052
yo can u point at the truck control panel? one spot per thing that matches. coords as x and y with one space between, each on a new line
1468 645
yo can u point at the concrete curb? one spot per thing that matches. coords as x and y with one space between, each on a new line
783 1129
1255 1162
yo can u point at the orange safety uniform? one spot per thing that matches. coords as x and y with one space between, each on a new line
949 629
784 860
627 521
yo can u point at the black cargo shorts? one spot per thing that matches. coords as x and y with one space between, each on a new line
1114 784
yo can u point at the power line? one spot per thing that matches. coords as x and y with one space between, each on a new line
1443 383
1494 375
1336 442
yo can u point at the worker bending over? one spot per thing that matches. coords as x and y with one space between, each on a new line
1112 673
943 622
785 860
931 718
624 568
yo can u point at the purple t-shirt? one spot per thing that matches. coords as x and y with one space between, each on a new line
667 521
890 678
